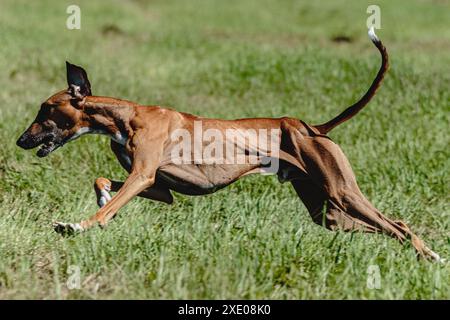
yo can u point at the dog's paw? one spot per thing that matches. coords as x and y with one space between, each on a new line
433 256
102 188
105 196
440 260
67 229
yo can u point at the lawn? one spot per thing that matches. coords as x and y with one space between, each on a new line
228 59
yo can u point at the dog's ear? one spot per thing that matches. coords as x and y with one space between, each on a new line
77 79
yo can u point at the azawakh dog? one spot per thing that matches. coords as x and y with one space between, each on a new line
142 140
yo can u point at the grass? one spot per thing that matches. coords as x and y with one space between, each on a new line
227 59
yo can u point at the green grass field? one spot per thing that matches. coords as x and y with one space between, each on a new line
229 59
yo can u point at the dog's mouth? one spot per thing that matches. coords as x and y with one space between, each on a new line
45 149
48 145
46 141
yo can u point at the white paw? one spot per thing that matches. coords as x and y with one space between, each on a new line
435 257
105 197
440 260
67 228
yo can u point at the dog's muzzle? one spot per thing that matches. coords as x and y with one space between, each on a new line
24 142
47 141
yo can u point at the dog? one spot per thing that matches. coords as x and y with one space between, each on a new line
142 140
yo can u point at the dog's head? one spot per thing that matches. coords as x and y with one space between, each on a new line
60 118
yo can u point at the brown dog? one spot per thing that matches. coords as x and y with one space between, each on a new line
164 150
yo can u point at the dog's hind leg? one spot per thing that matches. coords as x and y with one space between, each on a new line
331 193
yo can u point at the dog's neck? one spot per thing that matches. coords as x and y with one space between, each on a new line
108 116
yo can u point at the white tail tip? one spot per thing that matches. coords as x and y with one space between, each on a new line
372 35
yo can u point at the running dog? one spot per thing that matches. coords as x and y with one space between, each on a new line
142 139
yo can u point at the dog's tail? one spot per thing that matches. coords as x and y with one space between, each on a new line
355 108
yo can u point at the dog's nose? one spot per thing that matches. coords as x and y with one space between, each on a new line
22 142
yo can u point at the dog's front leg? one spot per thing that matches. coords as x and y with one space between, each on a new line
133 185
103 187
142 177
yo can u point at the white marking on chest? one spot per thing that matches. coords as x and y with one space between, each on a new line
80 132
117 137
